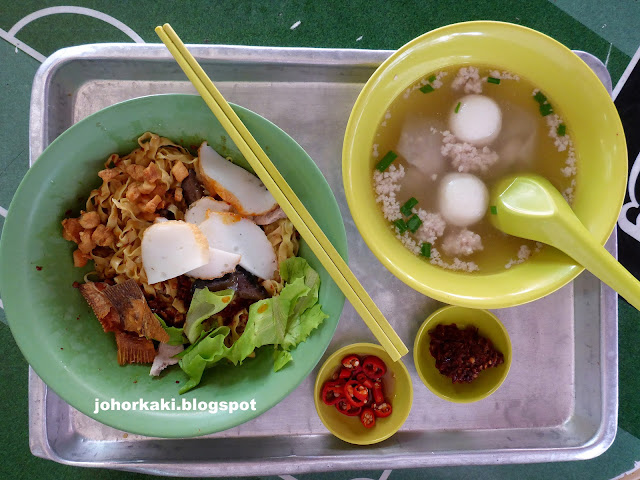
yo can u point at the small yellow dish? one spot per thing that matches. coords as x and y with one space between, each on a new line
488 381
399 392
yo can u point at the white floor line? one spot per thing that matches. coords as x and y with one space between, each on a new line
3 212
81 11
626 74
25 48
606 62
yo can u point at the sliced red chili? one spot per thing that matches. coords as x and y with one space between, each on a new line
345 373
347 409
374 367
356 394
382 410
332 391
368 418
364 380
378 392
351 362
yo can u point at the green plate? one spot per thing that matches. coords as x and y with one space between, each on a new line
56 330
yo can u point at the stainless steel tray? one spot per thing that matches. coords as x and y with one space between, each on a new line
559 401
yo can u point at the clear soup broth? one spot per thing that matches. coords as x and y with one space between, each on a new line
465 124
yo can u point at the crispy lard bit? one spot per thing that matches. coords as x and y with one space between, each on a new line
71 229
135 314
152 173
109 174
179 171
99 303
80 259
134 349
152 204
103 236
89 220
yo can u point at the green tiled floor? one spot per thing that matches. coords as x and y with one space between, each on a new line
608 31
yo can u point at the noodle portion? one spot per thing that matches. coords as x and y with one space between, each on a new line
135 188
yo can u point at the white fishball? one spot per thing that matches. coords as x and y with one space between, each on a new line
478 121
463 199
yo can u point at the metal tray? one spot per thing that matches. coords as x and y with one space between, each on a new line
559 401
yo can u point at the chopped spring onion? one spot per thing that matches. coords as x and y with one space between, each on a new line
458 107
386 161
414 223
427 89
494 210
432 78
540 98
493 80
425 250
562 130
546 109
401 225
406 208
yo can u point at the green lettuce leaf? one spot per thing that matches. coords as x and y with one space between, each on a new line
204 304
295 268
176 335
280 359
268 320
283 321
302 325
204 354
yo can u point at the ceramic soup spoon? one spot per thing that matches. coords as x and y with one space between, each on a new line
529 206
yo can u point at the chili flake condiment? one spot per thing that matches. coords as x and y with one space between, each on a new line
462 354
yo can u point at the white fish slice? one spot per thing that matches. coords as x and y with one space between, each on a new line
220 263
234 234
197 211
243 190
172 248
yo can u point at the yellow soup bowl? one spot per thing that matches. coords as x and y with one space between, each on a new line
581 100
488 380
398 392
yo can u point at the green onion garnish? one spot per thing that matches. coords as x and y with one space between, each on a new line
414 223
540 98
493 80
562 130
494 210
427 89
458 107
386 161
432 78
406 208
425 250
400 225
546 109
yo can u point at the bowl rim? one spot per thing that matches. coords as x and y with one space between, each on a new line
429 322
331 361
542 285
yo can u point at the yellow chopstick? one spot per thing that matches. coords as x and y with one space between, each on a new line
284 195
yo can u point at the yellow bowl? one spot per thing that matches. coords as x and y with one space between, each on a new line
398 391
488 381
583 103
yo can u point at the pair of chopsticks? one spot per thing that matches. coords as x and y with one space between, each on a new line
284 195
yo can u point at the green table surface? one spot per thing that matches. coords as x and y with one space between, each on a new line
606 29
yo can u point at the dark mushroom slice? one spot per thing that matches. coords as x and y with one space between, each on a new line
192 189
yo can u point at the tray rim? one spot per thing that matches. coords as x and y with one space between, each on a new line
38 391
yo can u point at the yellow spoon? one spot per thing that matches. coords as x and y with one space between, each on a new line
529 206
